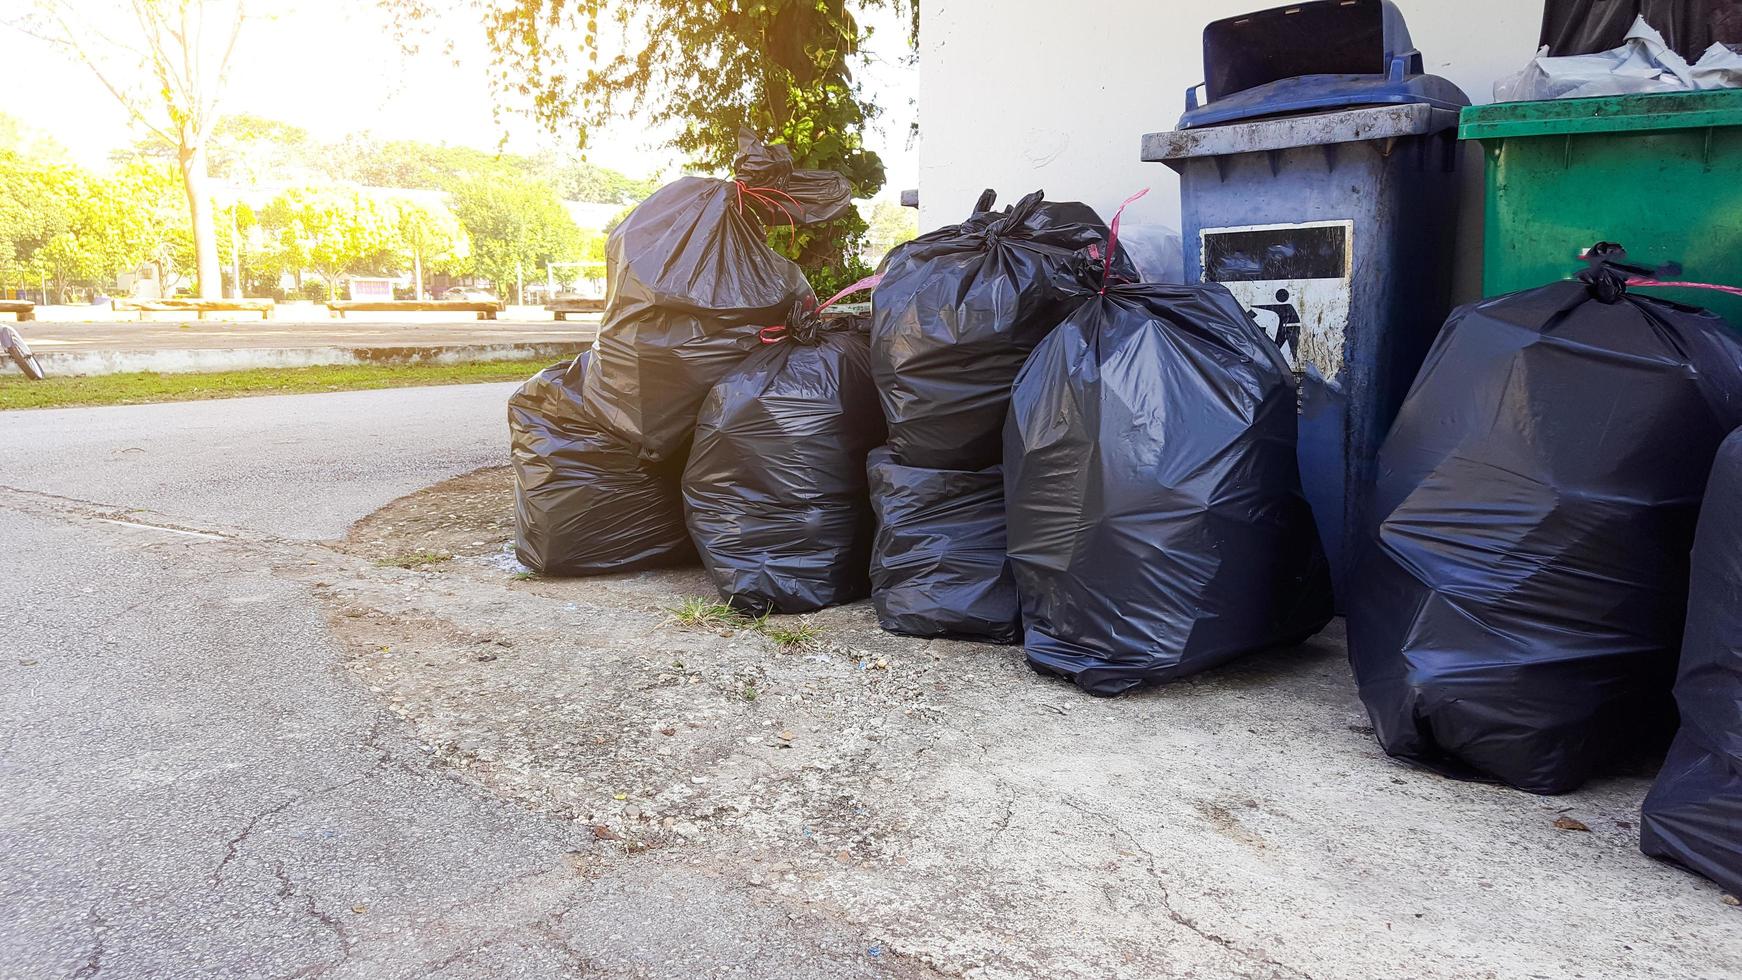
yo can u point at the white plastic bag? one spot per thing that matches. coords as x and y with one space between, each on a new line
1157 251
1643 64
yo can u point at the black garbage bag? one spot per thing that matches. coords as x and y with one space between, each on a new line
1517 611
690 281
775 490
1156 522
957 312
584 502
938 567
810 196
1689 27
1693 814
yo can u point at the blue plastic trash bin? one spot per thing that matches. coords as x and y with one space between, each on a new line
1327 202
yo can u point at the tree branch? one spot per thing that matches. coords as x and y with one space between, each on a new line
219 85
67 38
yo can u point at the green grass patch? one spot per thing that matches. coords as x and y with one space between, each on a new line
717 617
789 635
417 559
145 387
705 614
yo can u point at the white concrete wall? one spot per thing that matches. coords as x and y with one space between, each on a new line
1026 94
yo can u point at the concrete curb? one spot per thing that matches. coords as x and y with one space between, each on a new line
68 363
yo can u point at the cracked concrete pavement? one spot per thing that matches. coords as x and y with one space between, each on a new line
250 751
191 785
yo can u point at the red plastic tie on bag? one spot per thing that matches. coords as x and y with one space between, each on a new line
763 196
1641 281
1113 237
777 333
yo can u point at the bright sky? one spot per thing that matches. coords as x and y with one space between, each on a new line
333 67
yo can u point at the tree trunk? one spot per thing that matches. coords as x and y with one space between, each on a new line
236 254
417 274
205 233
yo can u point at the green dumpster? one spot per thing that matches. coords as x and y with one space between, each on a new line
1659 174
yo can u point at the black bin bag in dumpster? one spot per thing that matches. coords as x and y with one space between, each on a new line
937 566
584 502
1156 522
1693 814
690 281
957 312
775 490
1517 613
1689 27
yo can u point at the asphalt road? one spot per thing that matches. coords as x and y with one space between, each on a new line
297 466
192 786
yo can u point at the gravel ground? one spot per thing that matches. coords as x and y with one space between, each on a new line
984 821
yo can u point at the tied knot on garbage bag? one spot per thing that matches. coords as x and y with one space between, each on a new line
1609 276
1101 268
804 326
767 178
957 312
807 326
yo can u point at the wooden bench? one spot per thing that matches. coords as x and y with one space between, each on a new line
264 307
486 310
21 308
562 306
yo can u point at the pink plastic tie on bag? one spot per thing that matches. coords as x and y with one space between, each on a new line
1113 237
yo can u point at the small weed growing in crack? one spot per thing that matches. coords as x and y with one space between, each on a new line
417 559
524 576
749 690
703 614
717 617
796 636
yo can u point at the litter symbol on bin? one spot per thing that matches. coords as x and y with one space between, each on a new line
1281 321
1294 279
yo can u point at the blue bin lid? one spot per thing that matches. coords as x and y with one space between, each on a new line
1312 57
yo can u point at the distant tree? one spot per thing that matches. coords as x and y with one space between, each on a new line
427 235
235 223
60 223
417 165
890 225
331 231
167 62
30 216
515 227
411 164
29 142
600 185
590 252
51 252
148 203
243 147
